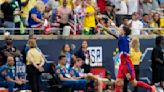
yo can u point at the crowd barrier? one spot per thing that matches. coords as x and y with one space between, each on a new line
55 30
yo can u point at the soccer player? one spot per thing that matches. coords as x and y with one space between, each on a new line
126 68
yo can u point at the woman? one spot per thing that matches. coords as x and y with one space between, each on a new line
35 15
155 23
69 56
83 53
35 62
89 19
135 55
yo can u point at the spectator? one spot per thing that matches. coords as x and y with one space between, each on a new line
136 25
69 3
65 77
146 24
8 9
133 6
66 50
149 5
158 62
65 14
35 15
121 11
56 23
109 11
1 13
135 55
8 77
89 19
125 22
53 4
155 23
9 50
26 6
83 53
77 73
35 62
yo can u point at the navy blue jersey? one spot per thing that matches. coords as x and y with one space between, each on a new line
123 44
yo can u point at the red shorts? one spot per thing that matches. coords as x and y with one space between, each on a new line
125 67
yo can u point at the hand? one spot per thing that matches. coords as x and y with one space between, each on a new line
128 76
23 81
19 82
41 69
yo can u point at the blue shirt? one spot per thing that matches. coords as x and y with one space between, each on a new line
123 44
62 70
31 22
75 72
5 71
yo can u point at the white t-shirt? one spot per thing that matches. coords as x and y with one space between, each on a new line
132 6
123 8
136 26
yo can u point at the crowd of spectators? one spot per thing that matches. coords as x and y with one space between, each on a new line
88 17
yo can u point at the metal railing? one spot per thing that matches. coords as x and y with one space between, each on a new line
55 30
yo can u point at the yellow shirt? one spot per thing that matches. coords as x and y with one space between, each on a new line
135 56
162 25
69 3
34 55
89 21
27 8
1 14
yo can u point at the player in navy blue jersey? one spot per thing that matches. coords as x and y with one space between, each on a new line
126 68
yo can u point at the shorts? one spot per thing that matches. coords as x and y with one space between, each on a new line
125 67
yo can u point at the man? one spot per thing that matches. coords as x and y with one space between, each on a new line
158 62
9 49
65 13
65 78
8 76
145 20
125 22
136 24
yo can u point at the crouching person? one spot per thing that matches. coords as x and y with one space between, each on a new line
65 78
8 78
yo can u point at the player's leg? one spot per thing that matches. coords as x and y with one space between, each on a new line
118 85
142 85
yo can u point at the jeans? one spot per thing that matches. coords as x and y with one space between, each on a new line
75 84
9 24
7 84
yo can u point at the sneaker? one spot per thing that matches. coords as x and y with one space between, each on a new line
153 88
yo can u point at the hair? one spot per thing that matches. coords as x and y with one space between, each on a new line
61 56
30 36
158 40
135 44
78 59
32 43
127 30
39 4
125 18
63 51
145 14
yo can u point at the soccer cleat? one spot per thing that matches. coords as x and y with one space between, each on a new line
153 88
